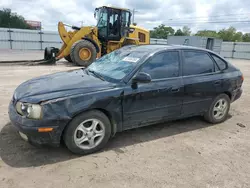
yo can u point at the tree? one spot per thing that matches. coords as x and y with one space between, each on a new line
207 33
186 30
12 20
227 34
238 37
162 32
246 37
179 33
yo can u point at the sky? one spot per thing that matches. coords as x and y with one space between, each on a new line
196 14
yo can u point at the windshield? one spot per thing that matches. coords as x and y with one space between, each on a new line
117 64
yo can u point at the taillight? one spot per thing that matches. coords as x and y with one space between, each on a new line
242 77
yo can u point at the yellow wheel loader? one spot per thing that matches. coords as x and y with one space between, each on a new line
113 30
83 45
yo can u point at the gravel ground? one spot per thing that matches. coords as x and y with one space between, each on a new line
186 153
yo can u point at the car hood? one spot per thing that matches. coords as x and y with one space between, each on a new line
59 85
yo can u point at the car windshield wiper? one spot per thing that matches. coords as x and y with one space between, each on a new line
96 74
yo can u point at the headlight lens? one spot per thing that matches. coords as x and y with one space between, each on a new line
32 111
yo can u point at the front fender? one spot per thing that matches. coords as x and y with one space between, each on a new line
66 109
93 42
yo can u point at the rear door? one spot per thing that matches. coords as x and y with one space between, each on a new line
202 81
158 100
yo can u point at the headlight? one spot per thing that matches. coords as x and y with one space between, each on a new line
32 111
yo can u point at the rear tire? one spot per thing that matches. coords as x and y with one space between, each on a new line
218 110
80 131
83 53
68 58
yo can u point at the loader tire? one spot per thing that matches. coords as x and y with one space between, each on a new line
48 53
83 53
68 58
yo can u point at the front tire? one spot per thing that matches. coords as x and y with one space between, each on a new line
218 110
87 132
83 53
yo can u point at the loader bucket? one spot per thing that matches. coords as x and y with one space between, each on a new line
50 53
49 58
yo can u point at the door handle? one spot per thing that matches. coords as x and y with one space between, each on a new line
175 90
218 82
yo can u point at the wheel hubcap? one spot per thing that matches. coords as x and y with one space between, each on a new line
220 109
85 54
89 134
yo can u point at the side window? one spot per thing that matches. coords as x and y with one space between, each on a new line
125 22
142 37
163 65
125 18
196 62
221 64
113 23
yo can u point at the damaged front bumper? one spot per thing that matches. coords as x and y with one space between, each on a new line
30 128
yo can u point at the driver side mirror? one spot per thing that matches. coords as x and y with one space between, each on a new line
96 10
142 77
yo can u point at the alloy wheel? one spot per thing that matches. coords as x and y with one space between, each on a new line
89 134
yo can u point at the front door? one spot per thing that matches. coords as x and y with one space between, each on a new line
159 100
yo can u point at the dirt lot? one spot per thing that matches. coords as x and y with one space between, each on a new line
188 153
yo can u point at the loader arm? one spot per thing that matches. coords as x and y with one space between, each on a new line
69 38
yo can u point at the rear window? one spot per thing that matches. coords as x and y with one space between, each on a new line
220 63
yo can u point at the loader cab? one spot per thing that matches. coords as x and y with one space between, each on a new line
112 23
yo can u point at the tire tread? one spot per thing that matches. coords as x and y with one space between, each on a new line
86 44
70 129
208 115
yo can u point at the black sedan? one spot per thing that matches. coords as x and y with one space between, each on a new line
131 87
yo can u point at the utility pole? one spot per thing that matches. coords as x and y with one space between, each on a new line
82 23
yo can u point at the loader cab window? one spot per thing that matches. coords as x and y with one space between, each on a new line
102 21
125 23
118 24
114 24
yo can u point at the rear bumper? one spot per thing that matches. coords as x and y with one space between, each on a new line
30 128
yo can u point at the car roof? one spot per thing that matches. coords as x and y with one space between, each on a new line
157 47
